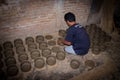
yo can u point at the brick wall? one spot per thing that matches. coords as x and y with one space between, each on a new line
22 18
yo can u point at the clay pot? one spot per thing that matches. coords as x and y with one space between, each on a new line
1 48
32 47
20 49
90 64
43 45
60 55
22 57
9 53
46 52
1 55
29 40
62 33
18 42
35 54
39 38
25 66
7 45
59 41
96 50
18 45
1 64
51 43
48 37
10 61
55 49
12 70
51 60
74 64
39 63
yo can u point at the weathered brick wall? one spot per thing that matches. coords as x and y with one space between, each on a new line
22 18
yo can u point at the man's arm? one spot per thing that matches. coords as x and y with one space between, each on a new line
66 42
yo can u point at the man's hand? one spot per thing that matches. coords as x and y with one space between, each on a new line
60 41
67 42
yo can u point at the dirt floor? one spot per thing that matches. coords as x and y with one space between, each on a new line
101 66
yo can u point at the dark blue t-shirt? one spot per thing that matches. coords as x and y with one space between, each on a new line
79 38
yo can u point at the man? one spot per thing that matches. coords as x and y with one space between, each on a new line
77 39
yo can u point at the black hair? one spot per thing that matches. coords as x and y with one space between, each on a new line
69 17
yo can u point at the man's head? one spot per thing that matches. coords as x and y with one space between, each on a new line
69 18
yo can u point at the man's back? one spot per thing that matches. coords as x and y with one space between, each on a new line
79 38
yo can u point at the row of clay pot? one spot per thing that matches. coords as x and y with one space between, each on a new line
60 55
88 64
9 60
98 38
23 58
50 60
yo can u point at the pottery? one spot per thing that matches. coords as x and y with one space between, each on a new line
32 46
1 48
52 43
55 49
35 54
1 64
46 52
7 45
90 63
10 61
62 33
51 60
60 55
39 38
18 42
12 70
74 64
29 40
8 53
20 50
48 37
43 45
22 57
59 41
39 63
25 66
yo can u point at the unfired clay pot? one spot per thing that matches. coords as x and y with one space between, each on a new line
9 53
35 54
62 33
52 43
74 64
59 41
32 46
7 45
1 64
39 38
60 55
55 49
20 50
25 66
43 45
90 63
22 57
1 48
51 60
46 52
1 55
39 63
48 37
18 42
29 40
12 70
10 61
